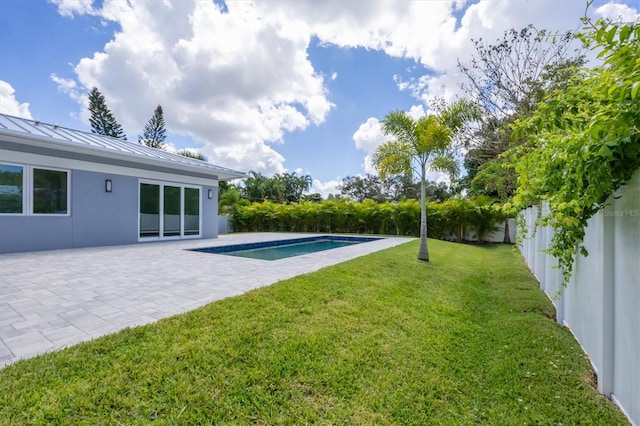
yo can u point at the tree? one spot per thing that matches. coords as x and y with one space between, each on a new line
392 188
510 74
425 143
281 188
360 188
508 79
191 154
314 197
229 198
102 120
292 186
258 187
154 131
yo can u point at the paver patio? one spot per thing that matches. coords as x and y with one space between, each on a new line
53 299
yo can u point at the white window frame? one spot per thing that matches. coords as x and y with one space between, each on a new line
182 187
25 189
31 179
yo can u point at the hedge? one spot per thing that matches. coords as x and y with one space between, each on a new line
455 219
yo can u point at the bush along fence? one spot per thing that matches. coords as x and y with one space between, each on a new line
453 220
601 299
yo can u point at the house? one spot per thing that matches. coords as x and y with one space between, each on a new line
64 188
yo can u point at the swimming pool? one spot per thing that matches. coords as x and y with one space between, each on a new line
280 249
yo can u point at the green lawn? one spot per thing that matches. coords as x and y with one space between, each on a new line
383 339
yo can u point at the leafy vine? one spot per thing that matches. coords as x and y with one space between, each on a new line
583 142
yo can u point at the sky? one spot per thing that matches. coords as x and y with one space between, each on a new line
271 86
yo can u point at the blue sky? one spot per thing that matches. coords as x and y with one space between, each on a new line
270 86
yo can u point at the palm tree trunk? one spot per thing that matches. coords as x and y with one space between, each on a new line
507 237
423 253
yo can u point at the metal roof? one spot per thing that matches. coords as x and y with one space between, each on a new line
62 137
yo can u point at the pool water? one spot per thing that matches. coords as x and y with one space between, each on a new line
281 252
274 250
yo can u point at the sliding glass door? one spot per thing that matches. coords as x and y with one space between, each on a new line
191 211
169 210
149 210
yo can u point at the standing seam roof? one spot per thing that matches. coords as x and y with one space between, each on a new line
12 125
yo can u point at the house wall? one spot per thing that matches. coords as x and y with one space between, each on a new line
209 212
97 218
103 218
30 233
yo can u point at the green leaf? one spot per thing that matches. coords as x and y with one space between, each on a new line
634 90
625 32
611 34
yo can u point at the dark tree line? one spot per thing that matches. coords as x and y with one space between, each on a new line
393 188
281 188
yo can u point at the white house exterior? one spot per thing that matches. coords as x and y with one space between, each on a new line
63 188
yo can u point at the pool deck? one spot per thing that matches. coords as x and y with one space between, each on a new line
53 299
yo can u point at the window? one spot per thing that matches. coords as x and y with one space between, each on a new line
11 189
50 194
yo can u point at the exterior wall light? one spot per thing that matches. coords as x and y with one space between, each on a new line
107 185
210 194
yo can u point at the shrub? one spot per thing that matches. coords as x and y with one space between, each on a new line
455 219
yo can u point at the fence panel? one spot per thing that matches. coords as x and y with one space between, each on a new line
224 224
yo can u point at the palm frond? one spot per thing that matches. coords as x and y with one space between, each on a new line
393 157
432 136
459 113
446 163
400 125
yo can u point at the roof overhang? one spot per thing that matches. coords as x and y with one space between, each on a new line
171 162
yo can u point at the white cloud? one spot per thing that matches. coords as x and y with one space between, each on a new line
369 135
326 188
69 87
235 81
69 7
367 165
368 138
256 156
416 111
618 11
10 105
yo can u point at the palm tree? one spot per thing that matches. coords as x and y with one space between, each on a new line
421 144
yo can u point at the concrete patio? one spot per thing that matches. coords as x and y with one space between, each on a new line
53 299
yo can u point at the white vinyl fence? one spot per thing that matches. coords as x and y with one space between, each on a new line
601 303
224 224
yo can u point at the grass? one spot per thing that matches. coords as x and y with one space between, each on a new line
382 339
